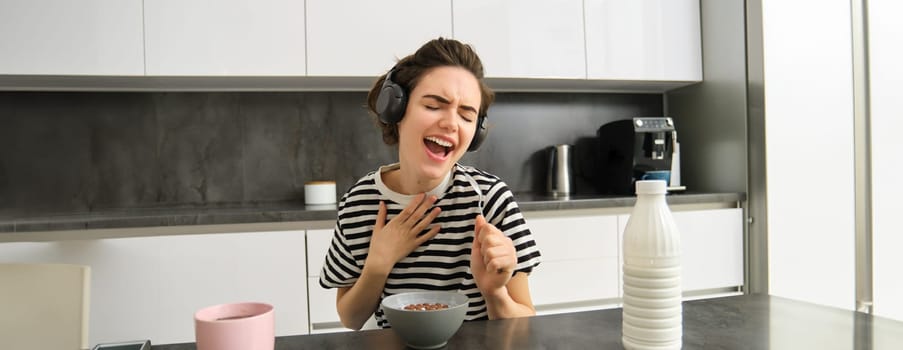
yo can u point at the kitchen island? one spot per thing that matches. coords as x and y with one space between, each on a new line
737 322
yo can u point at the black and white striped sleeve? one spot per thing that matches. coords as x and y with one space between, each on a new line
502 211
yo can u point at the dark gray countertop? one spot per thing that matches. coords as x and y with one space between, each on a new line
294 211
737 322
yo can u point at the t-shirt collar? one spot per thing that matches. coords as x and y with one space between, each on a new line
404 199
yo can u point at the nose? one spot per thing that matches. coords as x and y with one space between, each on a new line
448 121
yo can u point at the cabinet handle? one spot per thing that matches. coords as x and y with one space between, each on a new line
326 325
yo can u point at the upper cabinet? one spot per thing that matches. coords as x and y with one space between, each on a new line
64 37
525 45
524 38
651 40
224 38
366 38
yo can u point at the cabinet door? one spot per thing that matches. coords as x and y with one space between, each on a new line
643 40
579 260
525 38
711 248
149 287
62 37
225 37
318 242
365 38
323 315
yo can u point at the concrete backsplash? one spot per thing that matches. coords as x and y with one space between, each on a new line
73 152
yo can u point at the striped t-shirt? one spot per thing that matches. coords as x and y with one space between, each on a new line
443 262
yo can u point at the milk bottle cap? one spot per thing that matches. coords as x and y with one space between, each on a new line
651 187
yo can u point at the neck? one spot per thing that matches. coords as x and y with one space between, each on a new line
406 181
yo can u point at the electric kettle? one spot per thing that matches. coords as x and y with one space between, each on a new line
560 175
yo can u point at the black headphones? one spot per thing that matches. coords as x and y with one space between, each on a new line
393 100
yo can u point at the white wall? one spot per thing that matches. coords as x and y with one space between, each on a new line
886 78
809 150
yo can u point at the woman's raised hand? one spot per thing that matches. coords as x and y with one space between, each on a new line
394 240
492 257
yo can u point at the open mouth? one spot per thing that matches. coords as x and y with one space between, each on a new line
438 146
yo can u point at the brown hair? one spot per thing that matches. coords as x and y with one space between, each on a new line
438 52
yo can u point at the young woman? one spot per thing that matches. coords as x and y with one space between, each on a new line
426 222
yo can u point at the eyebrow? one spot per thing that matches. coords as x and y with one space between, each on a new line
446 101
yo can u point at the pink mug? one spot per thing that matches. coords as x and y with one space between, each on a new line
235 326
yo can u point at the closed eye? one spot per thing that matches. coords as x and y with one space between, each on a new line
468 113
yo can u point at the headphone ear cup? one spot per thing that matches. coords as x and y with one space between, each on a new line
479 136
391 102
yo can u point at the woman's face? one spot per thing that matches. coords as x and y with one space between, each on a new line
439 123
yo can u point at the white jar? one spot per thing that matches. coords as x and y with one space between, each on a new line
319 192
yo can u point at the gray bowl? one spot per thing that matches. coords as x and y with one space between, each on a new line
425 329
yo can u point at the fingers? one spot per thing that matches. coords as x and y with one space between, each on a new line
409 210
479 223
476 251
421 225
499 259
413 214
381 216
496 251
429 235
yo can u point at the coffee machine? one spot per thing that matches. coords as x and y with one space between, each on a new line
630 148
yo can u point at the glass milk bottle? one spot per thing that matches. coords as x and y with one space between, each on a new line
652 291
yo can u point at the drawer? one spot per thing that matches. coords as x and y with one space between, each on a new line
575 237
574 281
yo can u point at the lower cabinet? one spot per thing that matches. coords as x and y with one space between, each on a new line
324 318
711 250
150 287
581 249
579 269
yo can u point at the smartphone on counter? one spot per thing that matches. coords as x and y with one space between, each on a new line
128 345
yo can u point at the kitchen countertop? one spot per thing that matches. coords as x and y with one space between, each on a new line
738 322
293 212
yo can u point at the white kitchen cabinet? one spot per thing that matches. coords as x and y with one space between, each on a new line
524 39
647 40
323 315
529 45
579 269
62 37
365 38
150 287
711 249
581 254
224 38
